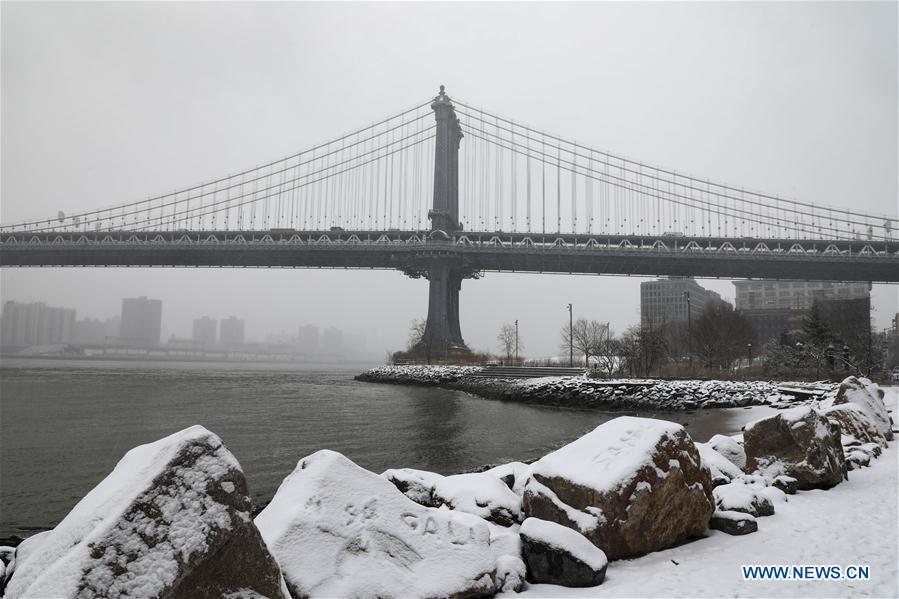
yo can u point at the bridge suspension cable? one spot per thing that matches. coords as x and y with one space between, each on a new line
357 180
616 195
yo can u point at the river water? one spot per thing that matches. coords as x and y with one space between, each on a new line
65 424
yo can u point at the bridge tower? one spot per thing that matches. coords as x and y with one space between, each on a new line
443 335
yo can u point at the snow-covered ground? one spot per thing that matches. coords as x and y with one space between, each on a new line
854 523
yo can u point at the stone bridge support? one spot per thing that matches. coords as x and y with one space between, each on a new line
443 333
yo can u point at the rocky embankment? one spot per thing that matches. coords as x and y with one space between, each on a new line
609 394
173 519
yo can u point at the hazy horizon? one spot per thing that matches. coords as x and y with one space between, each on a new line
111 102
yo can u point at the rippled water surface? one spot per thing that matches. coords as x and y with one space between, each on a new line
65 424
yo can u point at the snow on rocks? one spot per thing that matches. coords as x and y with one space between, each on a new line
800 443
867 396
417 485
509 473
603 393
730 448
511 573
787 484
723 470
161 524
479 493
556 554
631 486
855 421
417 374
739 497
733 523
338 530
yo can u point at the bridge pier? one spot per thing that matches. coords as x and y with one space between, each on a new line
442 338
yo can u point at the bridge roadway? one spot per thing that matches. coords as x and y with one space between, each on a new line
414 251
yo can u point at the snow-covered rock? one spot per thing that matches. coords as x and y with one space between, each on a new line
868 397
511 573
801 443
631 486
787 484
338 530
855 459
723 470
509 473
478 493
739 497
730 448
556 554
733 523
505 545
855 422
417 485
171 520
23 550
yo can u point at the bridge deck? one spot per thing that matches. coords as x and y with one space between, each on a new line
413 251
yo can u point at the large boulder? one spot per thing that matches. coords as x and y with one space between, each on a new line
631 486
338 530
479 493
555 554
172 520
855 422
730 448
800 443
869 398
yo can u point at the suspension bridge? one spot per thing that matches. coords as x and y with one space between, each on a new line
399 194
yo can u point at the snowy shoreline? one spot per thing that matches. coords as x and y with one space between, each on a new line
665 515
607 394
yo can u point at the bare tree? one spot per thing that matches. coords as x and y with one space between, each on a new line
417 331
607 351
721 334
506 340
586 337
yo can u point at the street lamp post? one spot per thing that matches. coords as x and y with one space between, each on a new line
516 342
749 351
570 338
689 331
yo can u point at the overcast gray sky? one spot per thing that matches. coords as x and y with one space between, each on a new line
111 102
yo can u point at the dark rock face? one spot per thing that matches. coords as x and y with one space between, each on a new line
869 398
733 523
654 501
800 443
172 520
855 421
549 561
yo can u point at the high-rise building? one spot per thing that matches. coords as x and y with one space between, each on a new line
307 339
332 341
231 331
665 301
778 307
23 325
89 331
205 331
141 322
